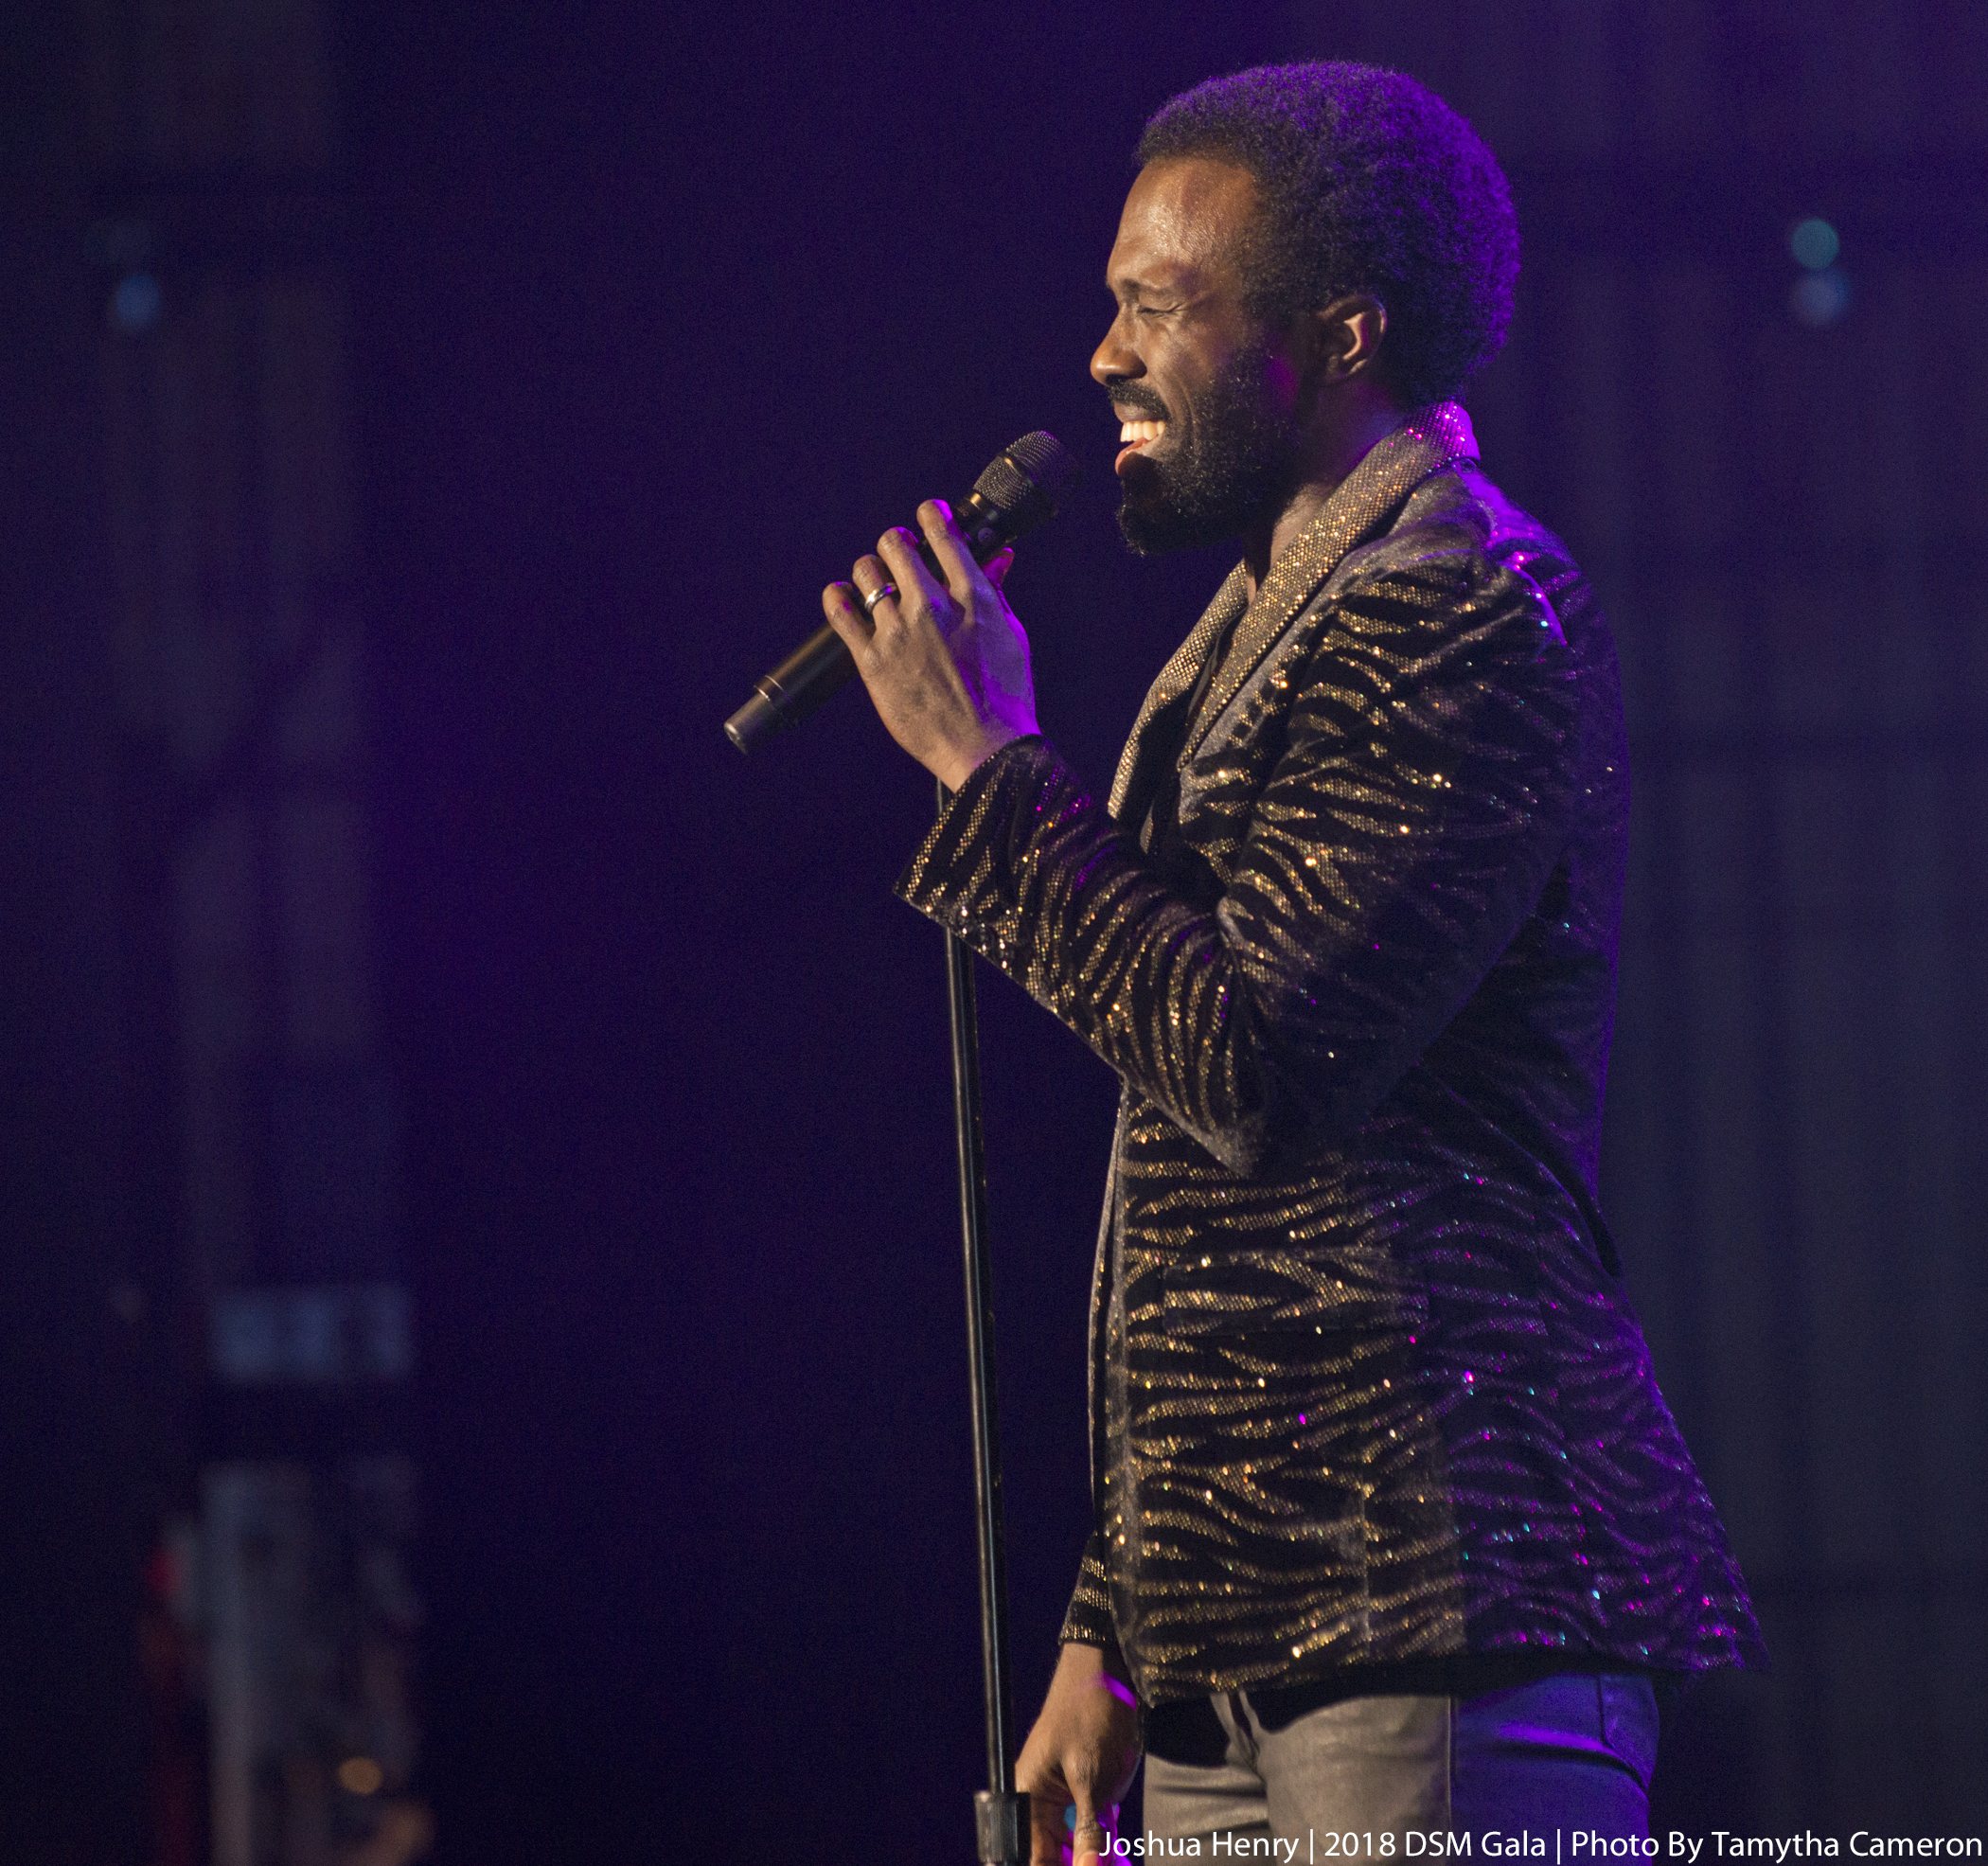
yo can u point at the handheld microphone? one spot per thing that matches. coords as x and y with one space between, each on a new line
1018 490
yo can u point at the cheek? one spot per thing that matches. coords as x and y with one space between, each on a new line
1280 381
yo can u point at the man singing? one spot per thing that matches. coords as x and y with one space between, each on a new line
1393 1530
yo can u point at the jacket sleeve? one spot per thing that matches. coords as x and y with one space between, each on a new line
1406 830
1088 1621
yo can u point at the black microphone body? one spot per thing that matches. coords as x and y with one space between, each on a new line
1018 490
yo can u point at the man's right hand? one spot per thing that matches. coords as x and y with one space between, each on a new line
1082 1754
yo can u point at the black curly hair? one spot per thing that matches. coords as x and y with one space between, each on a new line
1370 182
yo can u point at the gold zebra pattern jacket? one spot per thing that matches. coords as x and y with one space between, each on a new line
1366 1387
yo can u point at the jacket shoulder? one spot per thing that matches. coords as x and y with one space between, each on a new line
1457 536
1456 511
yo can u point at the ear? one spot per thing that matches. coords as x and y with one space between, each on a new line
1346 336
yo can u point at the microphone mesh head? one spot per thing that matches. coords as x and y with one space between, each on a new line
1003 485
1037 466
1049 463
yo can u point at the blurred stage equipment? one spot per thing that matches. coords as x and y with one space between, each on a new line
1020 490
266 1268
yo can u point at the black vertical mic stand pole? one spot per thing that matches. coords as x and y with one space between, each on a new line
1000 1817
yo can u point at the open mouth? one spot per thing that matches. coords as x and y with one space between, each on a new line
1137 436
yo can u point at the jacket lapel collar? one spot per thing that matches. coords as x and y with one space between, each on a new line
1426 441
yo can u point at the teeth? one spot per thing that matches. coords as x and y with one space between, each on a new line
1142 430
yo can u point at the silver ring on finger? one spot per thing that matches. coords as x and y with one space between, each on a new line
876 596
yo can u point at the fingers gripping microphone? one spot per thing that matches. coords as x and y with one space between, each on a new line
1017 493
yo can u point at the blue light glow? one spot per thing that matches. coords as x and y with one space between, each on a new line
1820 298
135 303
1814 244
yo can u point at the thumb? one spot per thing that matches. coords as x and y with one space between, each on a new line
1086 1838
997 567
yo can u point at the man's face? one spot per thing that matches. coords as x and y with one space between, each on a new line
1208 396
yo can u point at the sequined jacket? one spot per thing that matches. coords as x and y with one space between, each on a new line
1366 1386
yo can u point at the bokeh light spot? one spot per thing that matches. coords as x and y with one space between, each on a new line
135 303
1814 244
1820 298
361 1775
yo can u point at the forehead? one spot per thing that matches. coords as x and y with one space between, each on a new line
1186 215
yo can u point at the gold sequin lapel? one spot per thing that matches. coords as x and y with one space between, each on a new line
1424 443
1362 506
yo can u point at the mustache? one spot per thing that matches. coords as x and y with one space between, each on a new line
1125 394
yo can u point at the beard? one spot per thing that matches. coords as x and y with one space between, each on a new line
1241 458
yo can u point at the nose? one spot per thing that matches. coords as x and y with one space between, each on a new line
1115 359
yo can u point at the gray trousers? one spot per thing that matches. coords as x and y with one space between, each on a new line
1358 1777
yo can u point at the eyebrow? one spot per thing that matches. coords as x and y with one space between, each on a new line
1130 290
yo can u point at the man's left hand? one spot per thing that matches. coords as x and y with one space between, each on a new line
946 663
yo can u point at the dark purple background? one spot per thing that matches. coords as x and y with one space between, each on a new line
660 324
658 317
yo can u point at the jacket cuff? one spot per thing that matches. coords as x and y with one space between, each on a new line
1088 1621
963 870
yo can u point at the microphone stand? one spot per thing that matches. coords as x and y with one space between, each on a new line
1000 1817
